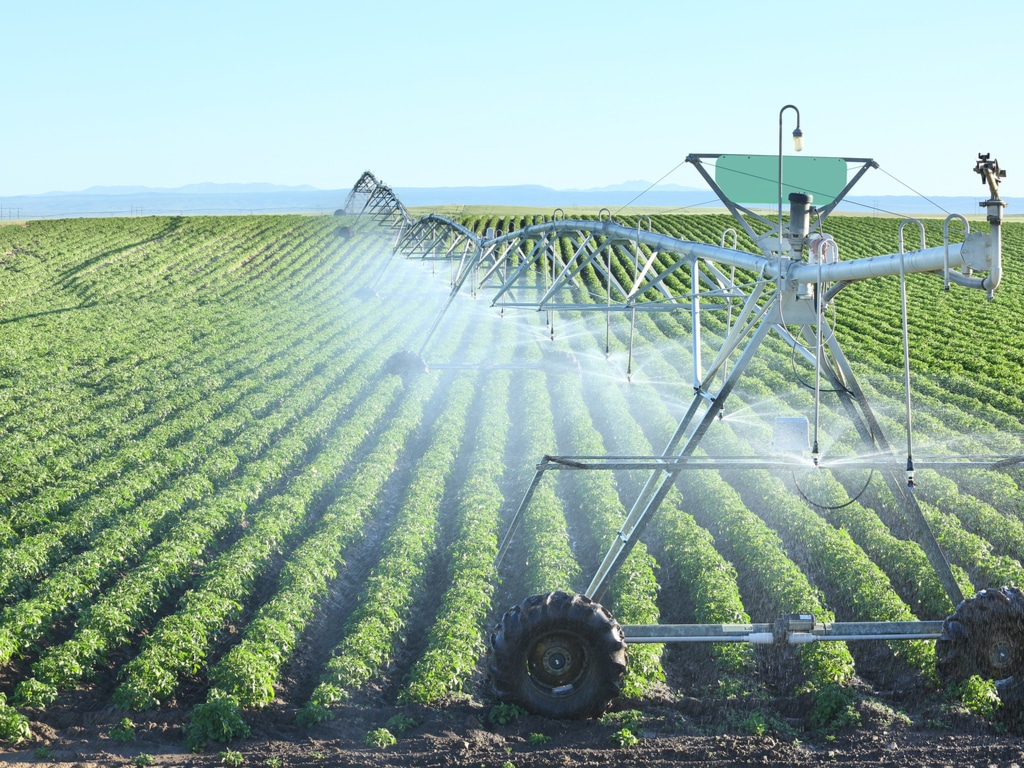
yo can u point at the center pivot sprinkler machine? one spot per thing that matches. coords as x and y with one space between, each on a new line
564 655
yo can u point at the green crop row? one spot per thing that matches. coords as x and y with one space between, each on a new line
111 621
175 400
179 643
455 640
370 634
250 669
708 579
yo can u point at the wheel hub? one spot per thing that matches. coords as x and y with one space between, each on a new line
557 662
1001 653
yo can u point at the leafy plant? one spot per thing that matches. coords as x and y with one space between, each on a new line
536 739
123 732
231 758
631 721
505 713
218 719
753 724
979 696
633 590
312 713
14 726
373 629
401 723
143 760
35 693
625 737
455 638
380 738
630 718
834 708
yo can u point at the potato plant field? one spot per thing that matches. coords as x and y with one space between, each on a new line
222 496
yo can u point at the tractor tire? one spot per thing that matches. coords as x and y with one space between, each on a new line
405 364
984 636
558 655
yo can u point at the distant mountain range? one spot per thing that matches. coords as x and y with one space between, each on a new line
206 188
205 198
210 198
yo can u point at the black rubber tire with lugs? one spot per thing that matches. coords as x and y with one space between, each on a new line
560 655
984 636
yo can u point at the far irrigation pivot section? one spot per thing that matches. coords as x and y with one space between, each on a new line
563 655
374 199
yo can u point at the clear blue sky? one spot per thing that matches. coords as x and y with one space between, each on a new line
563 94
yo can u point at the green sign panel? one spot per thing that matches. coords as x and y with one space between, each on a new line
754 179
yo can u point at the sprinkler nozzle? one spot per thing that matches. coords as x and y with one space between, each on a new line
910 472
815 453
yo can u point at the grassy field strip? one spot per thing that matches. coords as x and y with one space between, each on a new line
250 670
1003 532
113 619
956 431
970 551
132 273
224 244
985 371
181 641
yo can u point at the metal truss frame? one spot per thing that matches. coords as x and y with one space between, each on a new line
541 267
374 199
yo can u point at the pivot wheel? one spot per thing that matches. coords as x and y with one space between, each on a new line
984 636
405 364
559 655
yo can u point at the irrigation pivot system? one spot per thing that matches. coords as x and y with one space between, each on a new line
377 201
563 655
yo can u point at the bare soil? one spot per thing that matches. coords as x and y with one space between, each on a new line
897 728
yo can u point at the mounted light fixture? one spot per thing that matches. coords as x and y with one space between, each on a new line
798 145
798 136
